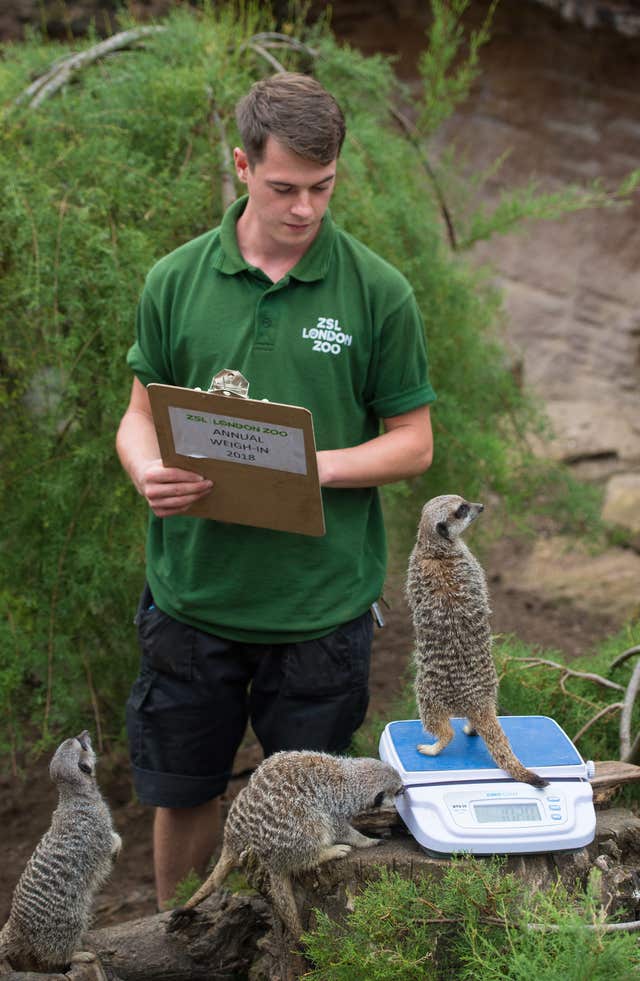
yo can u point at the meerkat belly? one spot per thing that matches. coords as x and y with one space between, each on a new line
453 659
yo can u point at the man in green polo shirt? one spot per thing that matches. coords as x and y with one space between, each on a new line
237 622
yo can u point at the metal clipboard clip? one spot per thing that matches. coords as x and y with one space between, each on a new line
230 383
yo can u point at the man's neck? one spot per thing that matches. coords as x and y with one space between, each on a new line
275 259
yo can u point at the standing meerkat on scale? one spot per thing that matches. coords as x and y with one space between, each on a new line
293 815
449 602
51 903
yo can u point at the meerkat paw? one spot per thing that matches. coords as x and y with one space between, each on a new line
429 749
85 970
351 836
116 846
334 851
83 957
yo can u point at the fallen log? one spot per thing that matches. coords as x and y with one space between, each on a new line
609 776
236 937
221 943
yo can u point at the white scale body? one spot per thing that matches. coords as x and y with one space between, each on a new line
461 801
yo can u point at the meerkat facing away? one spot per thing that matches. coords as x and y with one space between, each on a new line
449 602
51 903
293 815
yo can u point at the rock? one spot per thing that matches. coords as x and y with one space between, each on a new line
622 503
564 571
580 433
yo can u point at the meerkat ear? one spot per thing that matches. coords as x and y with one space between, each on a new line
442 530
85 768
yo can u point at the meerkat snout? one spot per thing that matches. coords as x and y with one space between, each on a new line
447 517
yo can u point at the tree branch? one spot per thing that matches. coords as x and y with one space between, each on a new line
625 718
614 706
621 658
534 662
63 69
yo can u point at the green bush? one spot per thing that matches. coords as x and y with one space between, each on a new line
99 181
473 924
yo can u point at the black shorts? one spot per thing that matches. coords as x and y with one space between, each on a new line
188 709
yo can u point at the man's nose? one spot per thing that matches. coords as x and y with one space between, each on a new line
302 205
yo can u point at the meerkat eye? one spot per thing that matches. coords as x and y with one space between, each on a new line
378 799
462 511
84 767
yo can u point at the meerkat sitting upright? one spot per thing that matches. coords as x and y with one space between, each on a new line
51 903
449 602
294 815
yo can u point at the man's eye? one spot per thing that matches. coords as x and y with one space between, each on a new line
281 190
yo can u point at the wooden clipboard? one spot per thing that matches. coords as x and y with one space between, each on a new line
260 456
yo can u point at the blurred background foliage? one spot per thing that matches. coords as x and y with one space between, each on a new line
113 171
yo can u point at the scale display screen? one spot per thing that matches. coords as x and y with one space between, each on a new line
502 813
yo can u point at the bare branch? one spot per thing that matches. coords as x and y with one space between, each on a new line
412 135
631 926
265 54
621 658
586 675
94 699
226 167
62 70
271 39
614 707
627 710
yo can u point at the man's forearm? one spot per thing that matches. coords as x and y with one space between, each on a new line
399 453
137 445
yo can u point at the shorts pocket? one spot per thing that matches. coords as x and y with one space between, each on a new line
139 692
166 644
331 664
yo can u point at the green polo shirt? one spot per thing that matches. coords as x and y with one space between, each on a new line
341 335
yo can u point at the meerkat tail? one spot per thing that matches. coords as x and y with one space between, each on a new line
182 915
223 867
489 728
281 892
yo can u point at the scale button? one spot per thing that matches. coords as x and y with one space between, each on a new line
556 817
554 800
554 807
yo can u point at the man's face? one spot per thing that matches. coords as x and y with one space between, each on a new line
288 194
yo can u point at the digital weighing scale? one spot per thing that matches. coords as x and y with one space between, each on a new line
461 801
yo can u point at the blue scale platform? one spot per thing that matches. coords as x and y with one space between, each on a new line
536 740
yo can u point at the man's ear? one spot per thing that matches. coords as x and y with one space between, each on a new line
241 164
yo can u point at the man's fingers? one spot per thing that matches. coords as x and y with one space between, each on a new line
157 474
174 505
161 493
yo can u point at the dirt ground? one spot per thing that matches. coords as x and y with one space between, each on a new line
26 802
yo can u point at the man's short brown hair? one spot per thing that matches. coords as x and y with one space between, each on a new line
297 112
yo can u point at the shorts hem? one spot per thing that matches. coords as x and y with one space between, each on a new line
174 789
